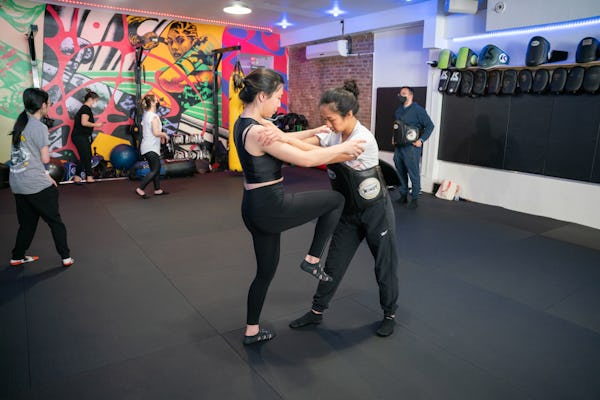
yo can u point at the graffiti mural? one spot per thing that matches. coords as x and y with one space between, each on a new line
15 65
97 50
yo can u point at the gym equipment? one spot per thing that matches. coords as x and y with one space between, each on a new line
558 80
538 52
588 50
454 82
540 81
491 56
444 79
466 58
142 168
179 167
4 173
509 82
103 144
525 79
574 79
591 80
404 134
57 169
123 156
390 176
466 83
494 82
236 106
446 59
479 82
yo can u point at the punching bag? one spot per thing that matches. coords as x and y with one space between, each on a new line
235 109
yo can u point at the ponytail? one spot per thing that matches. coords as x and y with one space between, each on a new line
33 100
20 124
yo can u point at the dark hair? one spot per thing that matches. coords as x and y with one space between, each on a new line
90 95
410 90
343 99
260 80
147 101
33 99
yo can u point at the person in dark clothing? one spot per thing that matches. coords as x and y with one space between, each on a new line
368 212
267 210
36 193
407 157
82 134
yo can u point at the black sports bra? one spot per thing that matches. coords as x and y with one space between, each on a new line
257 169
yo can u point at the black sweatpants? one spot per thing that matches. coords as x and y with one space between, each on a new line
154 175
82 143
377 225
30 207
268 211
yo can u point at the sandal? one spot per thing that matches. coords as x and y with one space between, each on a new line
261 336
315 270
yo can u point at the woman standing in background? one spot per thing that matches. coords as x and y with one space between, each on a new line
82 134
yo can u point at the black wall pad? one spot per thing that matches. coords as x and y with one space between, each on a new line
563 160
596 166
525 133
387 103
528 133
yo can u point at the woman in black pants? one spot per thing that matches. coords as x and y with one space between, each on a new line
150 147
82 133
266 209
34 189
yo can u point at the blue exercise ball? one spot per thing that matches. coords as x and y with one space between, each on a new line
123 156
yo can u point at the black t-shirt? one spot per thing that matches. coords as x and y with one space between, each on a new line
80 130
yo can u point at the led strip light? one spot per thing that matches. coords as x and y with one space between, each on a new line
541 28
136 11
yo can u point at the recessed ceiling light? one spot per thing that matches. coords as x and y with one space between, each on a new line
237 8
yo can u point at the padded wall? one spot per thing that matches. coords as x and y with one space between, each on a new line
553 135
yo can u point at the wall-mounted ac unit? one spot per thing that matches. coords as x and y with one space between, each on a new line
462 6
328 49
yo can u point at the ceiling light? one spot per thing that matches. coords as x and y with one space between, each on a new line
237 8
335 10
284 23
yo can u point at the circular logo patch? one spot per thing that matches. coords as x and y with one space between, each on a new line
331 174
369 188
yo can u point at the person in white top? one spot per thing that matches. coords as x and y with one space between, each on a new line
152 136
368 212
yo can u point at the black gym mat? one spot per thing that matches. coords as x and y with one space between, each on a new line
493 304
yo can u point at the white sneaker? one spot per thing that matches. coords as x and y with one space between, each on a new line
67 262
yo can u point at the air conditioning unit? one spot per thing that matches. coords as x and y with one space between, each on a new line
328 49
462 6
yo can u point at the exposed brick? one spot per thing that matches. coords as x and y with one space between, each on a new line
307 79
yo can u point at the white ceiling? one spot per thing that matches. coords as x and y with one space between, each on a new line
265 13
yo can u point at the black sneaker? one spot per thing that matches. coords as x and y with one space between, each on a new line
310 318
386 328
261 336
413 204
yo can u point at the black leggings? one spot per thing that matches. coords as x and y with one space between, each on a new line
82 143
268 211
30 207
154 174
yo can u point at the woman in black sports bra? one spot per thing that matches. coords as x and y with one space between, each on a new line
266 209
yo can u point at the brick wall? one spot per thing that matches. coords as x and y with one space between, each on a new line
309 78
